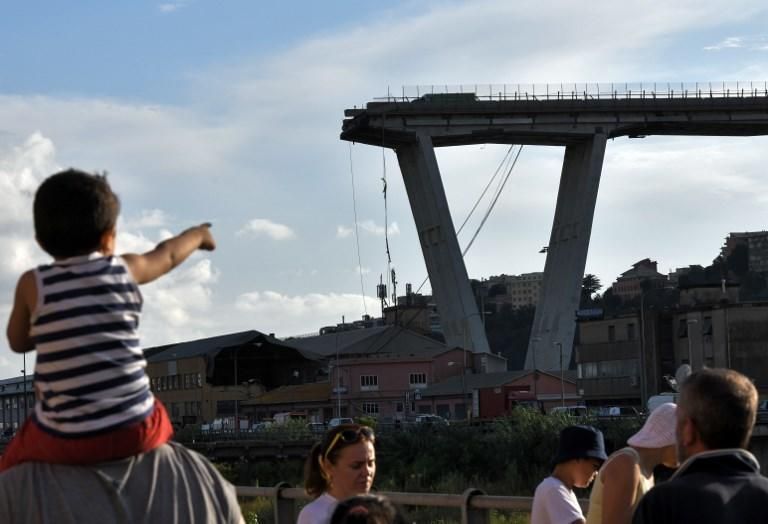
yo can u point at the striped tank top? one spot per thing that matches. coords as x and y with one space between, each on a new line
90 370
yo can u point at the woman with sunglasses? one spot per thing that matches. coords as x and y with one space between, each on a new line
342 465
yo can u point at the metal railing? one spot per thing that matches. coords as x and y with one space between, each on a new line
585 91
474 504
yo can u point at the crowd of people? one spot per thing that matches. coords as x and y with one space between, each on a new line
703 438
96 447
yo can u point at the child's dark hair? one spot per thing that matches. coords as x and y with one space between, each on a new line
72 211
366 509
328 450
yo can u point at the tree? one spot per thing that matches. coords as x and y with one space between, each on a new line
590 285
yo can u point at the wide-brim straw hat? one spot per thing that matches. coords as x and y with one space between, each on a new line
659 430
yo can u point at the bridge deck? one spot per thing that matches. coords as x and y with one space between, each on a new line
461 120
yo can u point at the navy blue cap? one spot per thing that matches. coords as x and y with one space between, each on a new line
578 442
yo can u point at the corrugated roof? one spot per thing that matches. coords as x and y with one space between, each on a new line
15 385
211 346
455 386
389 340
313 392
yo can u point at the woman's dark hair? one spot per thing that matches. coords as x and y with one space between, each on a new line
72 210
328 449
367 509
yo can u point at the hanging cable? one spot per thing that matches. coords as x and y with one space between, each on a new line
357 233
501 167
493 203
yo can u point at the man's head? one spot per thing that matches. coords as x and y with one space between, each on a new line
73 212
716 410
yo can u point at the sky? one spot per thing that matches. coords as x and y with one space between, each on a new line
230 112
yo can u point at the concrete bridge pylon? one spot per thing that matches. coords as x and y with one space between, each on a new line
459 316
553 325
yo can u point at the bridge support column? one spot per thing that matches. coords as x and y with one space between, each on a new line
554 324
459 317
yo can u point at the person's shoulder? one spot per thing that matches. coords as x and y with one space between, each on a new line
550 487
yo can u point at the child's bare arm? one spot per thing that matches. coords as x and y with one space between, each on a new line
169 253
19 322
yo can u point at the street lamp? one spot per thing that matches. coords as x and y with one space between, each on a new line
535 341
562 373
689 322
24 373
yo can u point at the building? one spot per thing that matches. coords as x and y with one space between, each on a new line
756 243
626 358
380 372
495 394
17 401
513 290
608 357
202 380
629 284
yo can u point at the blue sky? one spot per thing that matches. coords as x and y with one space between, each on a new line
230 111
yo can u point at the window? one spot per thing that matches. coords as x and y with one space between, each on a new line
399 407
682 328
369 382
630 332
706 327
418 379
371 408
611 333
199 380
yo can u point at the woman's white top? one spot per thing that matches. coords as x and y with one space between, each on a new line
318 511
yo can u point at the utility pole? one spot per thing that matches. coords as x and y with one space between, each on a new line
24 372
562 375
237 394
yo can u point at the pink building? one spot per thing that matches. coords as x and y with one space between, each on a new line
491 395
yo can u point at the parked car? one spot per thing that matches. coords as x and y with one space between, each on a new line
570 411
434 420
339 421
617 411
662 398
316 427
261 426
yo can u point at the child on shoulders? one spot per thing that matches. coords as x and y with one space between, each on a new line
81 313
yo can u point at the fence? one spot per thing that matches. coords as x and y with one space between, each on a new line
586 91
474 504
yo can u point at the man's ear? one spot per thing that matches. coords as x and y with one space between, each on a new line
688 432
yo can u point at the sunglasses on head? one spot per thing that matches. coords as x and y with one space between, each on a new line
348 436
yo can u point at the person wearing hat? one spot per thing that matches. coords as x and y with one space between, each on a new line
580 454
627 475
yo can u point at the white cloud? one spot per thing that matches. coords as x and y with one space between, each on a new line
22 169
20 254
752 43
265 227
344 232
148 218
178 305
170 7
369 227
291 315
